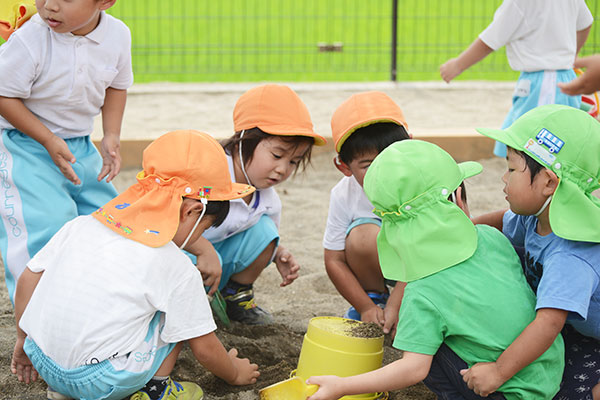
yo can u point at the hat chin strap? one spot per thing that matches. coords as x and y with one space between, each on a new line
241 159
541 210
187 239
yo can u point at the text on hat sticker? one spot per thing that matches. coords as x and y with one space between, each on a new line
541 153
553 143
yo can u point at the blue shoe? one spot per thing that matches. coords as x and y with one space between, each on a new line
380 299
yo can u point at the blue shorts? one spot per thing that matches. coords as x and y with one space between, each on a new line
237 252
110 379
361 221
37 200
535 89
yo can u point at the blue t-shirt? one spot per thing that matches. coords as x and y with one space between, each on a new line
564 274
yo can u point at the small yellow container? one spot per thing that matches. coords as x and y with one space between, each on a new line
337 346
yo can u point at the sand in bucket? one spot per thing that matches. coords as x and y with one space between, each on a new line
342 347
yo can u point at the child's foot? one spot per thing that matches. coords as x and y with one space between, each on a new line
172 391
241 306
380 299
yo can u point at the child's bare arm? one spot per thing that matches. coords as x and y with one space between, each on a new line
209 351
20 364
476 52
112 118
493 218
350 288
536 338
207 262
411 369
15 112
582 36
390 312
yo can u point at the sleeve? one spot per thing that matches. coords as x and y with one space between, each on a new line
584 16
187 312
513 227
568 283
508 24
124 78
17 68
421 327
337 223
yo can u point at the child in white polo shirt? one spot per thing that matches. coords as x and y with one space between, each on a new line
68 63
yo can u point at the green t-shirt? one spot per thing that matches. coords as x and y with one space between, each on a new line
478 308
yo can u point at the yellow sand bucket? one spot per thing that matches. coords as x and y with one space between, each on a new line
342 347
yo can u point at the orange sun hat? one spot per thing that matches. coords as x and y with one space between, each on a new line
178 164
274 109
13 14
363 109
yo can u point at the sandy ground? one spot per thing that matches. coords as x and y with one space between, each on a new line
305 202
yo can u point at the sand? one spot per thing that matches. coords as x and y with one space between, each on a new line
305 202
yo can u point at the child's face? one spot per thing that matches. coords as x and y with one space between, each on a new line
79 17
273 161
523 196
359 166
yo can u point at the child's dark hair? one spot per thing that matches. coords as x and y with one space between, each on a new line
534 166
371 138
218 209
252 137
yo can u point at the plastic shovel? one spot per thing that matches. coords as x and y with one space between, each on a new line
291 389
219 307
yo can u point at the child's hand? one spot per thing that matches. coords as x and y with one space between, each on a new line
211 272
247 373
111 157
20 364
63 158
373 314
450 70
390 315
483 378
330 387
286 265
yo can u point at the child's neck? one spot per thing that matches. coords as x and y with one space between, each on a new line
239 176
543 227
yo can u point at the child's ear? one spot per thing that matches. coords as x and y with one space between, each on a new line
106 4
189 208
551 182
341 166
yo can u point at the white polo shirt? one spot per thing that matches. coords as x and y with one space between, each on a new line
347 203
538 34
242 216
100 290
62 78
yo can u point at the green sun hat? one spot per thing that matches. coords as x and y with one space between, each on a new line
566 141
422 232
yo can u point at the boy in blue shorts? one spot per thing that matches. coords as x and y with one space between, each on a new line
553 170
103 309
362 127
466 296
70 62
542 39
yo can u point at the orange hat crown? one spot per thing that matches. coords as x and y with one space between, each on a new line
363 109
176 165
275 109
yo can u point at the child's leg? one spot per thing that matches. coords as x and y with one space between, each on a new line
582 361
444 378
362 258
244 256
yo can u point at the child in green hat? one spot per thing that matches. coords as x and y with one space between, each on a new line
466 297
553 168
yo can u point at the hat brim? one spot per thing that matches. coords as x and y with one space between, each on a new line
503 136
408 252
354 128
470 168
284 130
574 214
238 190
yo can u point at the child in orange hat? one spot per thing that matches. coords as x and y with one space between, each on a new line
273 137
103 309
362 127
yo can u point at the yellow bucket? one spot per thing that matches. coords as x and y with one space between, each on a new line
342 347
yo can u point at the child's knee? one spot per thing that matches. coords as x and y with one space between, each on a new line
362 240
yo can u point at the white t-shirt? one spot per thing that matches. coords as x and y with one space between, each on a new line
347 203
62 78
538 34
242 216
100 290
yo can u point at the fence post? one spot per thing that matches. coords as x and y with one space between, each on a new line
394 38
